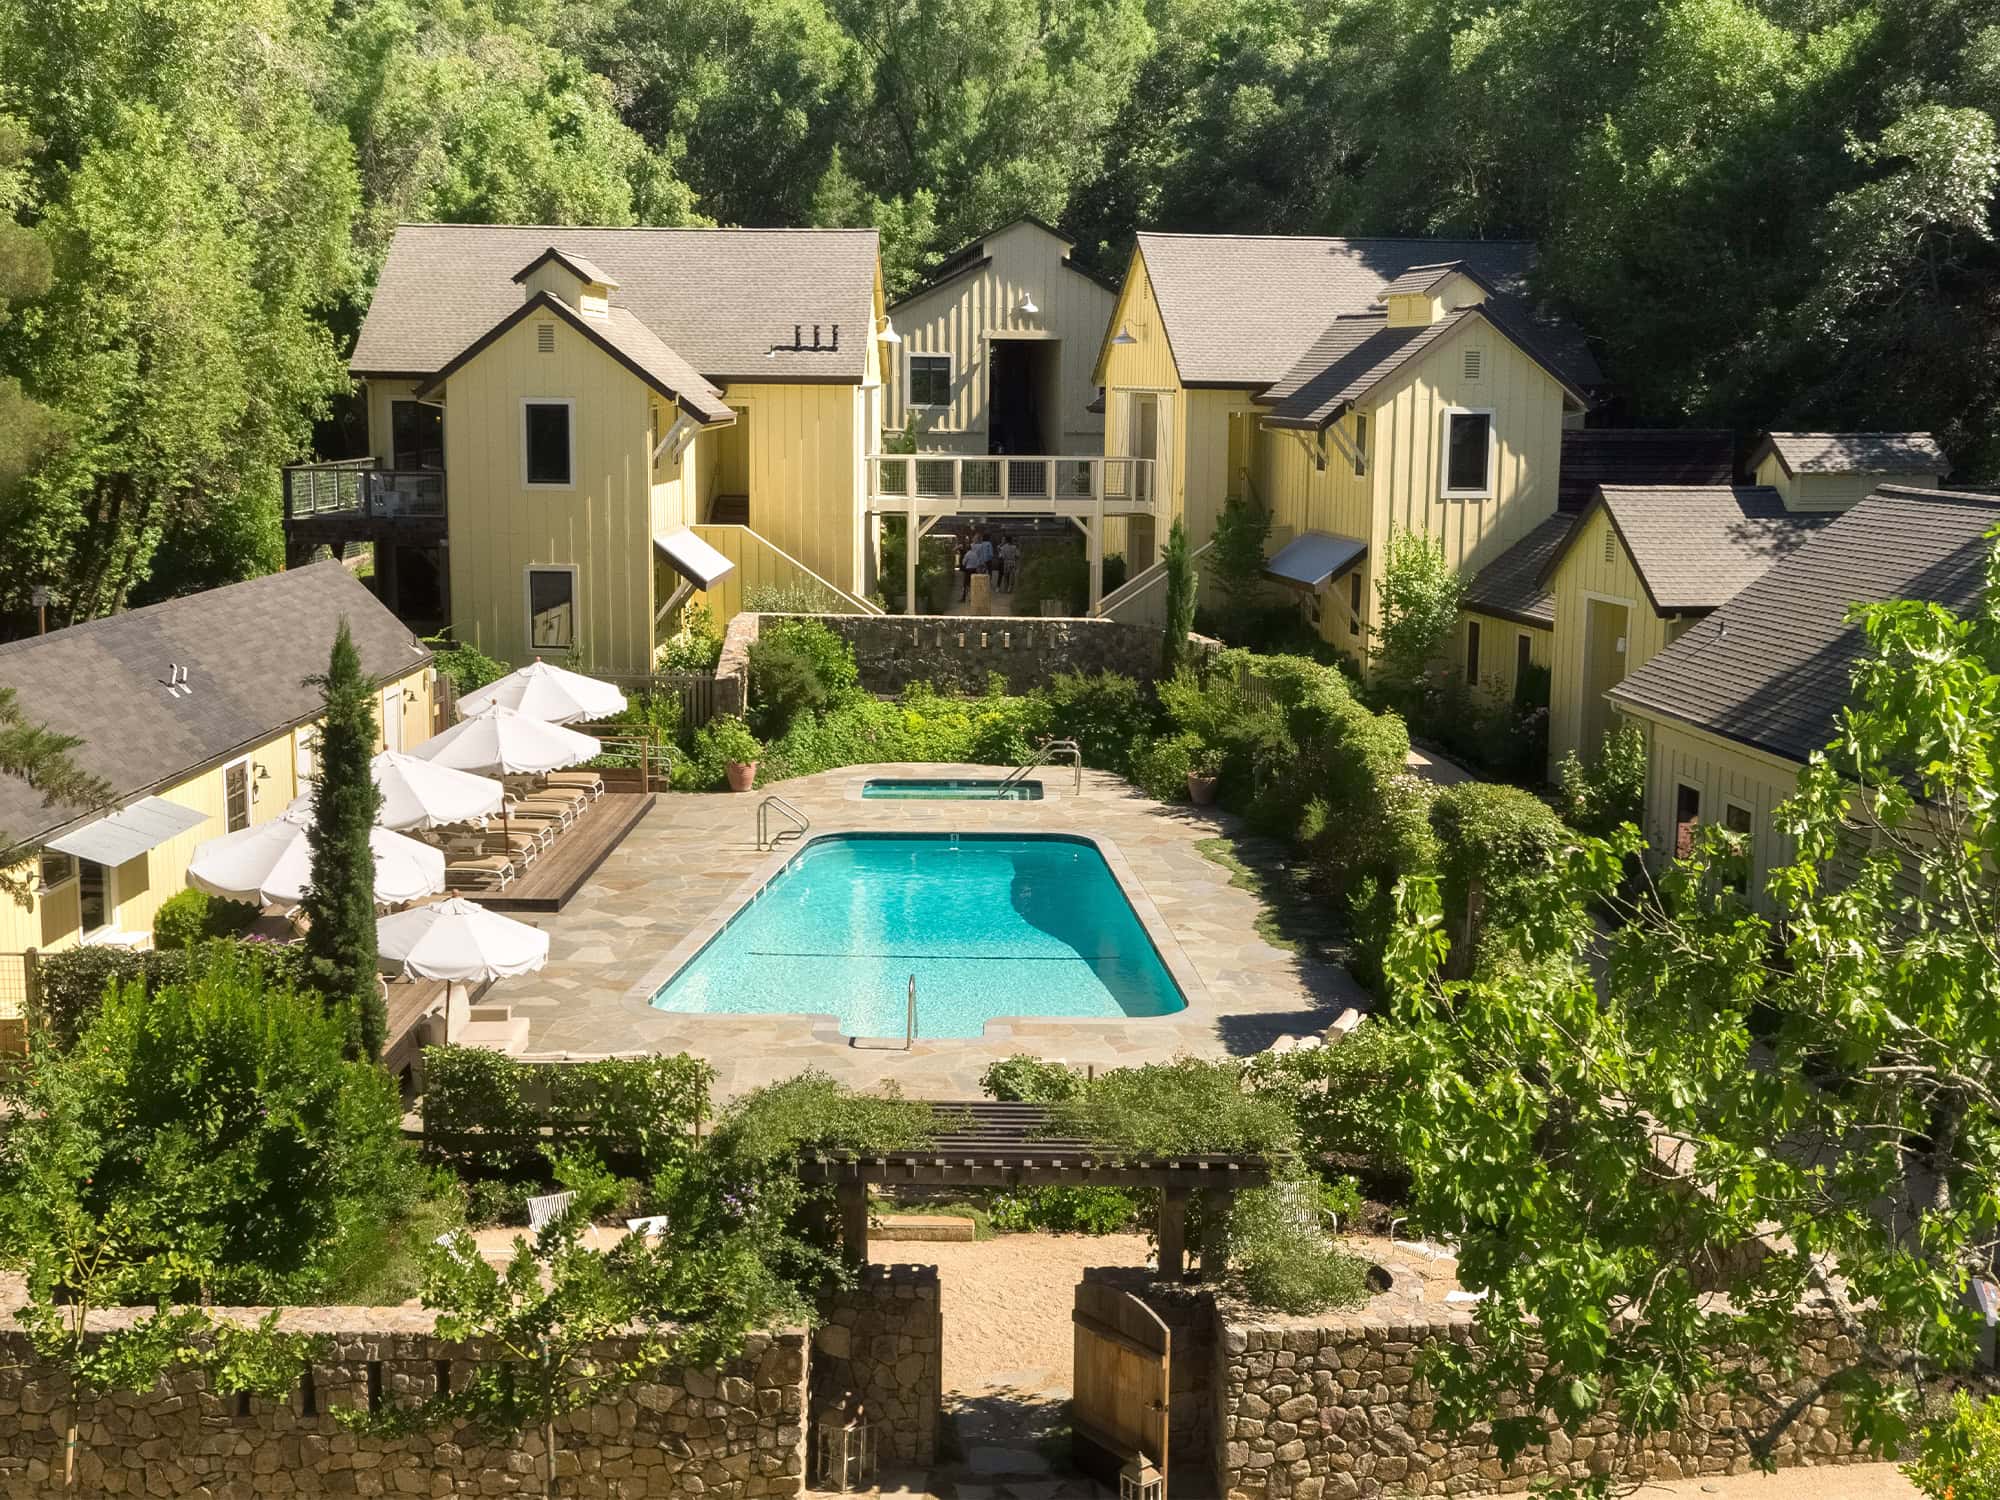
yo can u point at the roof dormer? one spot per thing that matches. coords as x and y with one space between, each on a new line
1424 294
570 279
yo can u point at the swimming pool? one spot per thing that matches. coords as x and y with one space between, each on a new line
990 926
936 789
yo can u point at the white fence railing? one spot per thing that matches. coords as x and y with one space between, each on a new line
1008 481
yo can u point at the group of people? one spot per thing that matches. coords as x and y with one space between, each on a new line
1001 561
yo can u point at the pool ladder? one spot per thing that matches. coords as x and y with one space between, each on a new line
884 1044
766 839
1049 751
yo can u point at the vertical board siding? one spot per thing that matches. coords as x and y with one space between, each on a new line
806 470
961 315
1581 575
1499 645
758 564
1723 772
1146 366
382 394
600 526
143 884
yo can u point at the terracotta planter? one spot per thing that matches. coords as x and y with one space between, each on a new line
742 776
1201 789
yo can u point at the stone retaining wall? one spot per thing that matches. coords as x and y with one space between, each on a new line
957 653
734 1433
1331 1409
1189 1313
884 1341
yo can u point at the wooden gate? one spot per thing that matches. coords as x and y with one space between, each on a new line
1121 1382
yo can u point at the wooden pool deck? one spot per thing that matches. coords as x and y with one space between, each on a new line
560 872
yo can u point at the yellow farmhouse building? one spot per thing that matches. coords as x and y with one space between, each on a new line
1352 387
1734 707
553 413
198 715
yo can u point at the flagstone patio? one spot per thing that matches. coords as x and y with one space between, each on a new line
680 867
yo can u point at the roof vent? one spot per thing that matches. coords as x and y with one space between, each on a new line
176 681
545 338
1610 546
1475 363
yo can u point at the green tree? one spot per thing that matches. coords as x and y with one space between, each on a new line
1236 560
1182 582
1747 1121
1419 594
340 902
42 758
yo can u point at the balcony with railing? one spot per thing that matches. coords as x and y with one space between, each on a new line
359 489
1046 485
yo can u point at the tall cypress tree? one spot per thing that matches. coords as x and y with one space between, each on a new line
1181 585
340 902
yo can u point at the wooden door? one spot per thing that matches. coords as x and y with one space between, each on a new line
1119 1409
1605 629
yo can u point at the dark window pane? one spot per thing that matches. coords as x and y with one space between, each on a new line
236 797
416 435
1472 653
930 380
548 443
552 609
1468 452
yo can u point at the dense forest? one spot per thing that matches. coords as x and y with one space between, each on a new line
1764 211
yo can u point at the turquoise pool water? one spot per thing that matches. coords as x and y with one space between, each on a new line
991 926
941 789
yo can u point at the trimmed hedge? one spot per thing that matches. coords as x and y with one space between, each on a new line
487 1109
74 981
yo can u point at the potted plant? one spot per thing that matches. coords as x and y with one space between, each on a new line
739 750
1204 771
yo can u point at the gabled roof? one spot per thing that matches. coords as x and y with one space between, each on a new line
247 650
625 339
1419 280
1772 669
1853 452
1358 353
729 300
1623 455
575 264
1241 310
1511 585
1696 547
973 256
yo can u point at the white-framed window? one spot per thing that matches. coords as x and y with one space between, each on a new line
1469 449
551 596
930 379
1740 818
548 443
58 868
97 895
236 795
392 717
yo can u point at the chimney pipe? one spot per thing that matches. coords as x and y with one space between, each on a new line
815 335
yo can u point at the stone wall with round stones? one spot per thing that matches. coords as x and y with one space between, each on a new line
731 1433
1331 1409
884 1342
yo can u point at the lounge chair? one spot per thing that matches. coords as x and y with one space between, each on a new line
559 807
489 874
587 782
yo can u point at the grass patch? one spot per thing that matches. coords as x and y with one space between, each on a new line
1293 917
379 1262
982 1221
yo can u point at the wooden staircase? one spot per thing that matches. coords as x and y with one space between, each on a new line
729 510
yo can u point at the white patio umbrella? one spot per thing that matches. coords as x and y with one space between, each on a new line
548 693
461 943
272 863
458 941
500 741
418 793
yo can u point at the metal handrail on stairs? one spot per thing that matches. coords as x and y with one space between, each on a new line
768 840
1049 751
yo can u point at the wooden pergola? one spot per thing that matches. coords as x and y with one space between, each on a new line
984 1143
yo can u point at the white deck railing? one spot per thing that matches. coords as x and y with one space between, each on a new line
1048 483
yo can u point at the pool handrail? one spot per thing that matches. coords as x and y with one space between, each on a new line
765 838
1049 750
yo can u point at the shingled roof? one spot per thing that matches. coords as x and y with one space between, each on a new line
1511 585
1773 668
1636 455
1697 546
1853 452
732 302
1242 310
247 650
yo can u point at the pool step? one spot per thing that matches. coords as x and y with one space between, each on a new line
927 1228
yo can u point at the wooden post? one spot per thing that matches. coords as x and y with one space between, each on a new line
853 1200
31 993
1216 1204
912 542
1097 548
1173 1233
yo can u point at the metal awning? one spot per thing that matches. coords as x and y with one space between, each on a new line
129 832
1314 559
692 558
